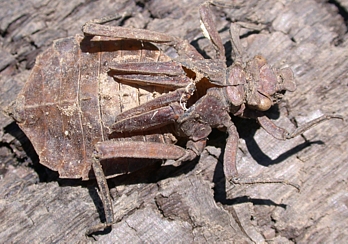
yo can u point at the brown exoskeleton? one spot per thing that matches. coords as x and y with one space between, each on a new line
243 89
67 107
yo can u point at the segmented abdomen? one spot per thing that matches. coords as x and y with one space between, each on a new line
70 101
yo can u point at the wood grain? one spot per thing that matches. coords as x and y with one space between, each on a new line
192 203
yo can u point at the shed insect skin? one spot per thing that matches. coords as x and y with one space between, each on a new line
212 91
245 89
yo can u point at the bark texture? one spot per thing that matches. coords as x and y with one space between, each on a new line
191 203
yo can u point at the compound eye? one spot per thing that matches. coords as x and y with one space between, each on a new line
264 104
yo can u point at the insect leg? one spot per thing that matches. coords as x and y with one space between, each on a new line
138 149
230 155
112 32
237 47
209 30
230 168
105 196
109 33
282 134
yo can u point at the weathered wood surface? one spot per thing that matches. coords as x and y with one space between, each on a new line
192 203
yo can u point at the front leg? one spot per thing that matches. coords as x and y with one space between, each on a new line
230 155
282 134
